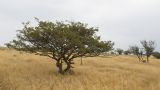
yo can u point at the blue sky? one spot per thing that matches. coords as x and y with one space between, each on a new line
125 22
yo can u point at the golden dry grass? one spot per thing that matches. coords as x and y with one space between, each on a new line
21 71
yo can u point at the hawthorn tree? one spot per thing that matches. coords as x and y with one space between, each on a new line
136 51
127 52
148 47
61 41
156 55
146 50
119 51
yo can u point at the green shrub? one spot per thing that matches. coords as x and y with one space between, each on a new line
156 55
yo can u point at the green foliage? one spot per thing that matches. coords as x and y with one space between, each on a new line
136 51
61 41
148 47
147 50
156 55
102 46
127 52
119 51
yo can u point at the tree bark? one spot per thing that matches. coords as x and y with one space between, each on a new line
68 68
147 59
81 61
139 57
60 66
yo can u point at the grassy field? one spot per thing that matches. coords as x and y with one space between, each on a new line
21 71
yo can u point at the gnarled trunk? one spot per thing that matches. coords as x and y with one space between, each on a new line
81 61
60 66
68 68
147 59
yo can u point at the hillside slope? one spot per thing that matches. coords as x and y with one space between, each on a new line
21 71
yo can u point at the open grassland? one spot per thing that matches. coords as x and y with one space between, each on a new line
22 71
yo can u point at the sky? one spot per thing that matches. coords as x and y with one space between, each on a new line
125 22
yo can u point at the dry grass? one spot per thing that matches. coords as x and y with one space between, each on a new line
21 71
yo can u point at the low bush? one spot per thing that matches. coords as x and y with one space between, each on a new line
156 55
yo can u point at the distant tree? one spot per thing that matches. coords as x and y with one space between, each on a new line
127 52
61 41
148 47
156 55
147 50
119 51
112 53
136 51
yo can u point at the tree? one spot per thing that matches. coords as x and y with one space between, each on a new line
119 51
61 41
136 51
148 47
156 55
146 50
127 52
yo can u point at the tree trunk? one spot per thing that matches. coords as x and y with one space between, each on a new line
81 61
68 68
147 59
60 66
139 57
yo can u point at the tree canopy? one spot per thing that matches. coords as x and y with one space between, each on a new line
119 51
61 41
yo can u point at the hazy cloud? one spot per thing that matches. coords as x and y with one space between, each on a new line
123 21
